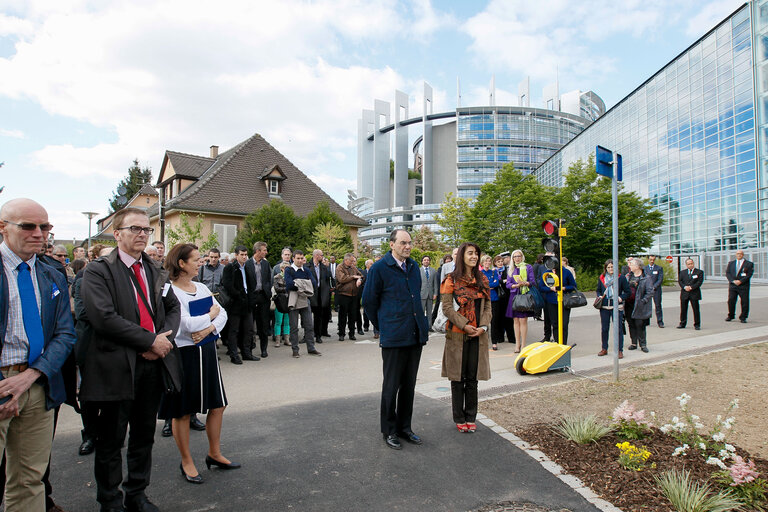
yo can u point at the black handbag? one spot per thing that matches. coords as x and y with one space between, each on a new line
222 297
281 302
524 303
574 299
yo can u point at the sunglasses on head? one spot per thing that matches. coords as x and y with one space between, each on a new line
31 226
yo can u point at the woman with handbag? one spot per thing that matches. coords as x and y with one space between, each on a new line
282 326
497 320
507 324
465 357
639 305
519 282
605 303
202 389
550 301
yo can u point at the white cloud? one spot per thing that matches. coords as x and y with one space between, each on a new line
14 134
710 14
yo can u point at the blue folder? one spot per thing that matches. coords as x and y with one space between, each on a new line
201 307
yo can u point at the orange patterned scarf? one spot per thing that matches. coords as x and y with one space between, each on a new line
465 292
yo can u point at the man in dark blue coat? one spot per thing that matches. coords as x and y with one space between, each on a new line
392 300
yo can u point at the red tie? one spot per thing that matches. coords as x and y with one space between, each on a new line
145 318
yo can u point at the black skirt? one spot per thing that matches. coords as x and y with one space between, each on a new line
202 386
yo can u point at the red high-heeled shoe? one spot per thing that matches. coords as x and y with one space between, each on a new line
471 427
462 427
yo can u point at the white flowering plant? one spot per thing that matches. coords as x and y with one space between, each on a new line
693 434
628 422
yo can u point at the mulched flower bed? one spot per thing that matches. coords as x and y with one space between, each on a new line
597 465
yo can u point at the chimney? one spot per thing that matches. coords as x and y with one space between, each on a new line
214 151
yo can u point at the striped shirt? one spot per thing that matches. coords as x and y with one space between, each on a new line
16 344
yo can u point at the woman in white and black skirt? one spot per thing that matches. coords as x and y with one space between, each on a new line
202 319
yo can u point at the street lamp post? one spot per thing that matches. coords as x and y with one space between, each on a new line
90 215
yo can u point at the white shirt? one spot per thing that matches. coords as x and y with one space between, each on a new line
190 324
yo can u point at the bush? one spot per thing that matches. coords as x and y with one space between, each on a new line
586 281
689 496
581 429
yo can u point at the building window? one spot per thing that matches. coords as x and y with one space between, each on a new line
226 234
274 187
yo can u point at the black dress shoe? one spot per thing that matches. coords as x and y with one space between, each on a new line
196 424
251 357
140 504
661 325
167 429
235 359
360 332
86 447
698 328
681 326
314 353
392 441
644 349
264 354
341 337
743 320
409 437
210 461
728 319
191 479
352 337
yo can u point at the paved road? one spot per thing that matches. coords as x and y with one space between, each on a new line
306 429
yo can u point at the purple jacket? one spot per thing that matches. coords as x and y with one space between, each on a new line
511 280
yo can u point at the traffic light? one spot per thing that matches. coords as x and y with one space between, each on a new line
551 244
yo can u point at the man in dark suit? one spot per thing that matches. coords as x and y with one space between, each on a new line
655 275
239 284
321 282
739 274
261 272
130 359
37 335
391 299
429 285
690 291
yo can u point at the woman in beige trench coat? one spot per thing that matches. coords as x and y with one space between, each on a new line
466 301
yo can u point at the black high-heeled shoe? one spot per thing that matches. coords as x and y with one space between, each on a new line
191 479
210 461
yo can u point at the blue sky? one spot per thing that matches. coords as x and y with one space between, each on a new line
87 86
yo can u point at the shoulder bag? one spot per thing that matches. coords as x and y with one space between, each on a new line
574 299
441 321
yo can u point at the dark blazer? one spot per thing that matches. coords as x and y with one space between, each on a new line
656 279
232 281
392 302
322 296
643 308
694 281
745 275
117 337
58 328
266 279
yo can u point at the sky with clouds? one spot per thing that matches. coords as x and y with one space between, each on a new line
86 86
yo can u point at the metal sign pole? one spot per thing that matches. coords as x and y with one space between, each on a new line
616 267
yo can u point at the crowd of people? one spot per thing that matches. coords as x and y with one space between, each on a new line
128 334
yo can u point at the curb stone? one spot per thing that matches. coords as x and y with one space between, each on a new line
571 481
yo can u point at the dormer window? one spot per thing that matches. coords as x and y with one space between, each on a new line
273 178
274 187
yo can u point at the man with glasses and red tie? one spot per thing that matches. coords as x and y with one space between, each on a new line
130 360
37 335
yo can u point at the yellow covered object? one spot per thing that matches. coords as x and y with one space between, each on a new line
542 357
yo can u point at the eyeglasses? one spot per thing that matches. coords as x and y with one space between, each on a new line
60 255
31 226
138 229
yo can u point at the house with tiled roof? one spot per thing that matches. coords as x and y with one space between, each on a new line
225 187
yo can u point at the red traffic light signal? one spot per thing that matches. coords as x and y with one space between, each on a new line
550 227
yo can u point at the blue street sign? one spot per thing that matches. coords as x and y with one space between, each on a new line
604 163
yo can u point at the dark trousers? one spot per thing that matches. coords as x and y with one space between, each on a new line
358 314
240 332
637 331
347 314
400 366
113 420
606 315
497 321
684 311
657 303
464 393
553 312
261 318
317 321
548 322
741 293
327 312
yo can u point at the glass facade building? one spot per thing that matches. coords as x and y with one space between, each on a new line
688 141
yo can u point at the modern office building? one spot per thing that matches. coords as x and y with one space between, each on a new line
454 152
693 140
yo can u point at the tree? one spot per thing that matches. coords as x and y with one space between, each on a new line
507 214
331 239
137 178
322 214
192 234
454 210
425 240
585 205
277 225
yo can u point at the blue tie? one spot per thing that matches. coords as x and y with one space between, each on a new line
404 270
32 323
426 271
